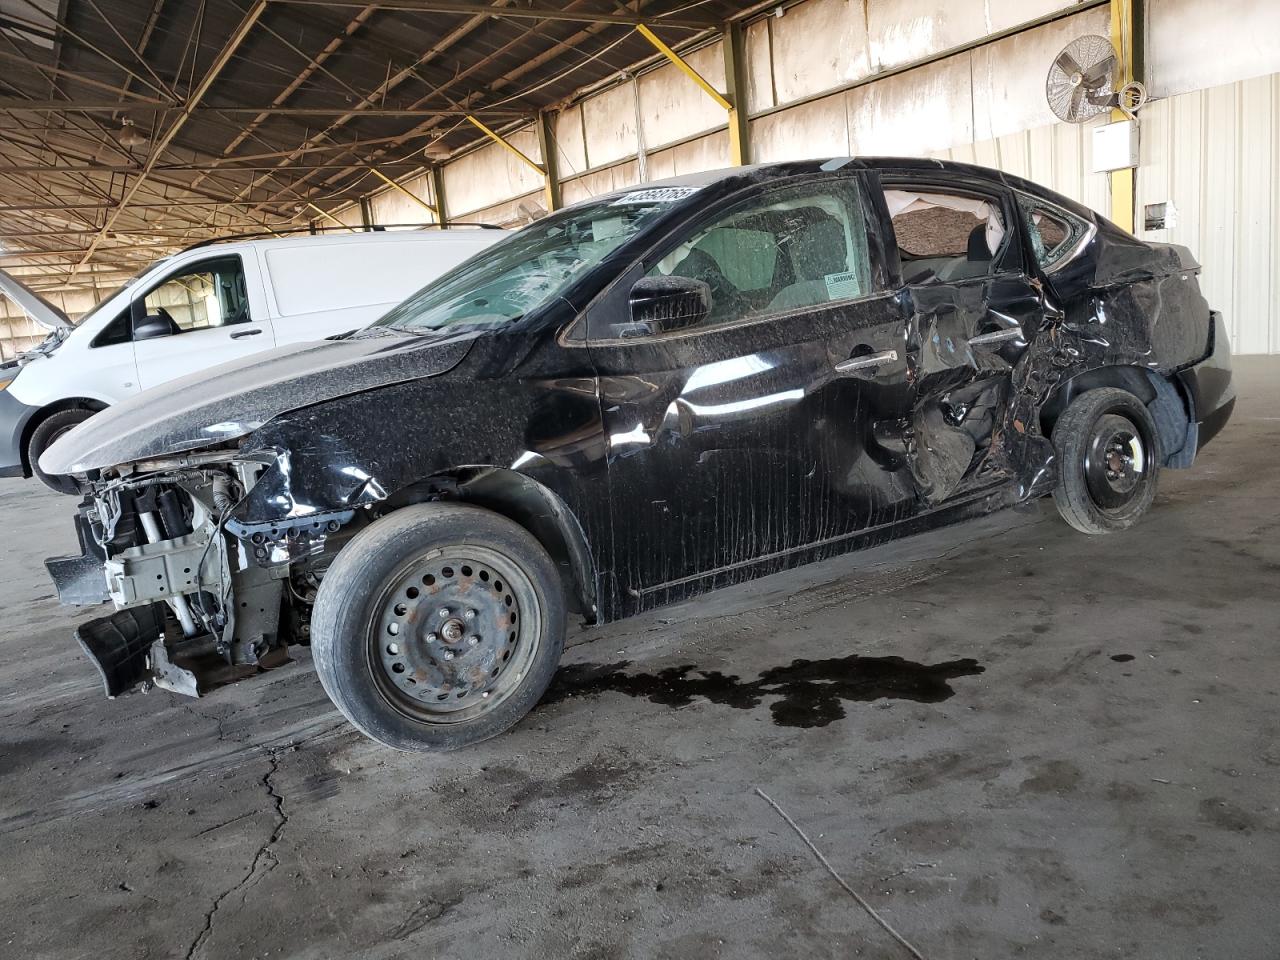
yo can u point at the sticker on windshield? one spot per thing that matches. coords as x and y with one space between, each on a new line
842 286
655 195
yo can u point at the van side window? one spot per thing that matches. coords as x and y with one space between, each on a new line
210 293
119 330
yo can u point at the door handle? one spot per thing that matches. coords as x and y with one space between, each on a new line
996 336
853 364
241 334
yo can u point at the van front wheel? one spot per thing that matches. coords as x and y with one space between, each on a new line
438 626
48 430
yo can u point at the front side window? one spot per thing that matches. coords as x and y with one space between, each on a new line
945 237
797 247
210 293
514 276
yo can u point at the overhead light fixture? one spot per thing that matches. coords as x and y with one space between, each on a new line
130 136
436 150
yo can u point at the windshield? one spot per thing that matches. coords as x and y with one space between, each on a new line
533 266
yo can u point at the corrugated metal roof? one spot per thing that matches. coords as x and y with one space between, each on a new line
311 94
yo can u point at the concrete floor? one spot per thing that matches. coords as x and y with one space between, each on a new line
1079 757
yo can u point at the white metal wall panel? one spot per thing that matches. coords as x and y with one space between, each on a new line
392 206
1191 44
902 31
819 45
513 213
1215 155
492 174
673 107
1008 75
705 153
610 121
913 113
571 141
819 128
757 43
1056 156
600 181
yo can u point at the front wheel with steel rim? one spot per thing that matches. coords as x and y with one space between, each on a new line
1108 459
438 626
43 436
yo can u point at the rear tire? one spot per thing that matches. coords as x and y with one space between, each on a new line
48 430
438 626
1108 461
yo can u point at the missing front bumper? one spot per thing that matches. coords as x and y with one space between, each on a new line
130 647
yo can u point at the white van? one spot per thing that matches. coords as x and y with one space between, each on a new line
207 305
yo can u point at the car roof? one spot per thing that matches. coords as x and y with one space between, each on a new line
763 172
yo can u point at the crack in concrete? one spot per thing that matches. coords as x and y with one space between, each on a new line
264 859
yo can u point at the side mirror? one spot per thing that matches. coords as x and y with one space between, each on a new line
661 304
153 326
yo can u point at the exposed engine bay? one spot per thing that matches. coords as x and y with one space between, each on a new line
200 600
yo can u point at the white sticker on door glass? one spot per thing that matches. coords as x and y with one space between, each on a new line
842 286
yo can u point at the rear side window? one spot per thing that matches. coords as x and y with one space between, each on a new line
1055 234
945 237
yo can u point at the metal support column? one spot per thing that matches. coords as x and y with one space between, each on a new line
1126 37
550 160
735 77
437 195
366 214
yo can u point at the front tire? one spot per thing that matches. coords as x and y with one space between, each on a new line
48 430
1109 461
438 626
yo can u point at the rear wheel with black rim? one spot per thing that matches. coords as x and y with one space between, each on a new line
438 626
1109 460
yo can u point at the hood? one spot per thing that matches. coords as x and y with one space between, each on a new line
229 401
40 310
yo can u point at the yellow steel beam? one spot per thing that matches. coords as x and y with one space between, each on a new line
1122 181
325 214
499 139
412 196
684 67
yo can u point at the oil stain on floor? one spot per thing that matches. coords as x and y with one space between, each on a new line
805 693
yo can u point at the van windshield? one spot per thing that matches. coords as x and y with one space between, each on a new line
531 267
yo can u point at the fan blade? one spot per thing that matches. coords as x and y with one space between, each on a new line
1100 72
1067 64
1077 101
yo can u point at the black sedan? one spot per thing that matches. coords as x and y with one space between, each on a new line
648 395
